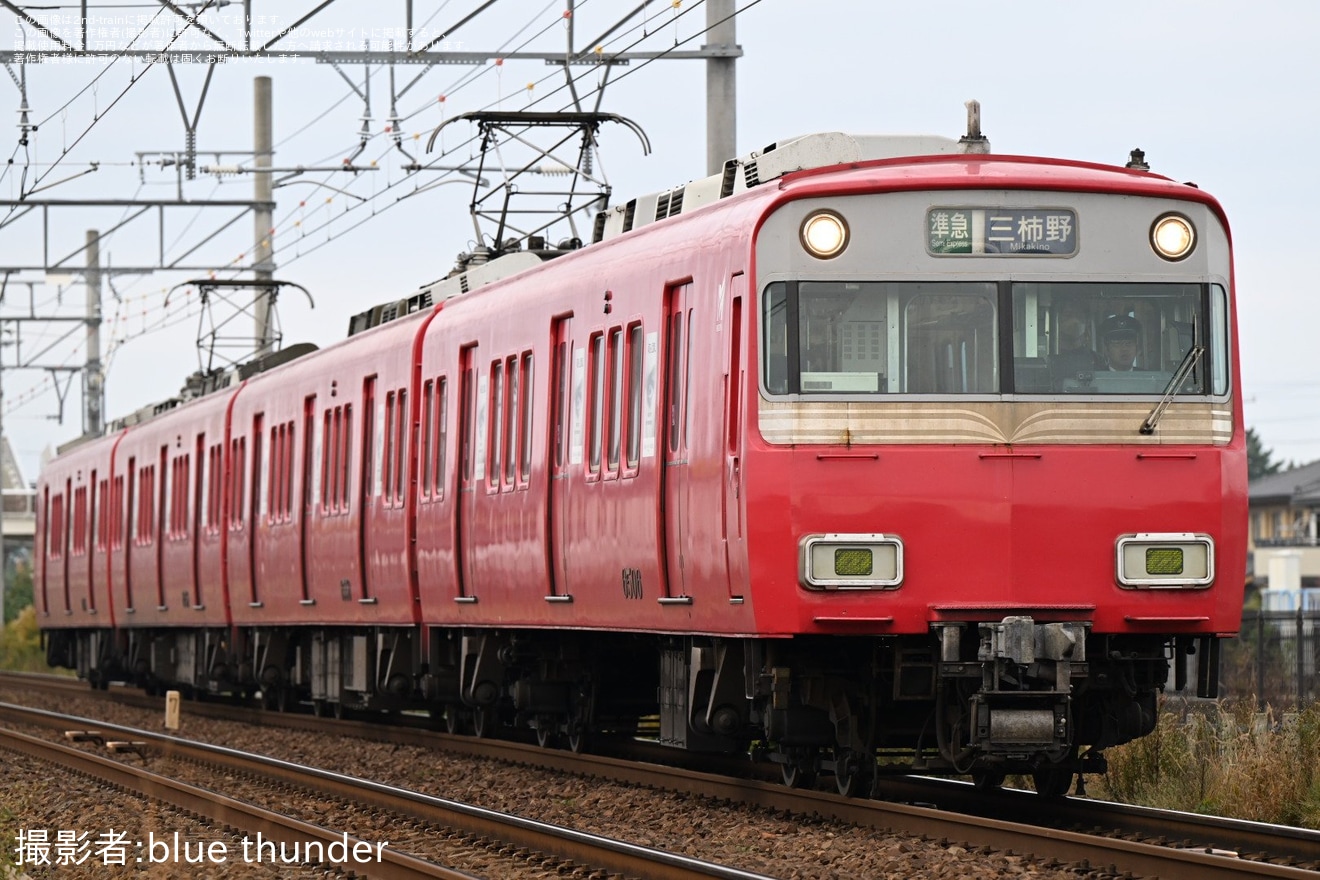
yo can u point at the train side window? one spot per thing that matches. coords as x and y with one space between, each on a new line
275 491
345 459
400 448
468 404
273 454
368 437
213 476
614 396
165 511
525 437
273 475
387 453
288 472
178 526
254 496
495 441
117 510
561 401
184 495
441 437
595 395
675 376
80 521
634 384
338 469
428 401
236 475
55 528
325 462
335 440
146 519
510 425
103 527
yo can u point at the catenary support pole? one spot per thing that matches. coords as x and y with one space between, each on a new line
93 379
721 86
263 263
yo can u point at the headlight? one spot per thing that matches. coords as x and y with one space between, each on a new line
850 562
824 234
1171 560
1173 236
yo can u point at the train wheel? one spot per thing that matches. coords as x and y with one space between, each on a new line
453 719
1052 782
987 780
799 767
319 708
850 776
483 721
545 733
798 775
577 740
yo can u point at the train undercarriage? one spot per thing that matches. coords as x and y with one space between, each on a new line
985 699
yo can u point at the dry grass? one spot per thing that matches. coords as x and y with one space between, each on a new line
1224 760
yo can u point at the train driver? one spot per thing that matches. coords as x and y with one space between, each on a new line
1122 341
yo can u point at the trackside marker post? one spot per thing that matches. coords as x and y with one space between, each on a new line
171 710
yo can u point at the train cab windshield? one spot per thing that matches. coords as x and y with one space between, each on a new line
989 338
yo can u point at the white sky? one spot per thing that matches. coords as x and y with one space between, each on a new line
1215 91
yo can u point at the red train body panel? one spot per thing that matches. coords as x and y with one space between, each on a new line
826 492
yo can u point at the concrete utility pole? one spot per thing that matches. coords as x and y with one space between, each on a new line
263 263
721 85
93 378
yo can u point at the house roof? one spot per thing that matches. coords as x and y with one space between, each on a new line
1298 486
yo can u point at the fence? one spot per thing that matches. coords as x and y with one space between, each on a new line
1276 659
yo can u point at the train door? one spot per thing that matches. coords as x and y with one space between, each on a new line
254 511
199 502
472 456
368 478
561 342
131 533
675 472
160 530
66 526
732 519
92 544
305 507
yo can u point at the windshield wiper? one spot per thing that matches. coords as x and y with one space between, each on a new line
1188 364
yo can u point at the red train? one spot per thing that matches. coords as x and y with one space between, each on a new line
865 455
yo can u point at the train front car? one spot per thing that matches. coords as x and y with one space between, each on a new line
998 488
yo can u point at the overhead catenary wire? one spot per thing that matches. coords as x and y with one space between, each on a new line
446 153
308 208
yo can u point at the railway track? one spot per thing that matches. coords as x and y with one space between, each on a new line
1073 831
424 826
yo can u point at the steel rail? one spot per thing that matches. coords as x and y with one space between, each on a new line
222 810
1193 834
564 843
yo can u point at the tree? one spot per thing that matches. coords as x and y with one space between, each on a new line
1260 461
18 590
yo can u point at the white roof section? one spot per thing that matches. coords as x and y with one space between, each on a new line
821 150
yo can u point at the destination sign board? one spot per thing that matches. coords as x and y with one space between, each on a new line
1015 232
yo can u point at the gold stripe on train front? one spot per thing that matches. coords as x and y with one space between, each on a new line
990 422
